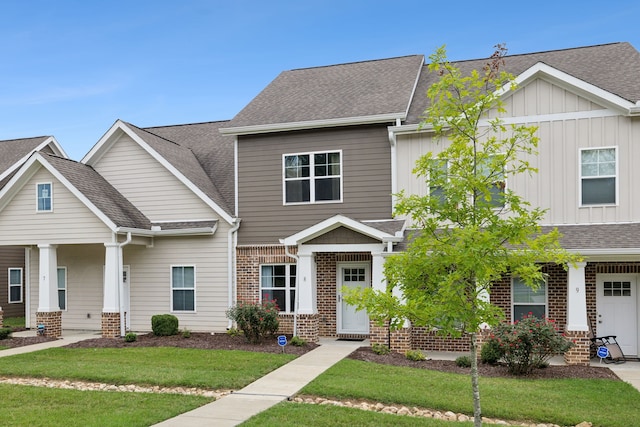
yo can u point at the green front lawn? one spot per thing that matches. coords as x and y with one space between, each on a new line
13 322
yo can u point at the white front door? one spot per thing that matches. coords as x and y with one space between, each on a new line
352 276
616 304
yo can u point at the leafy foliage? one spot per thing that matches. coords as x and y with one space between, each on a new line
380 349
463 361
256 320
131 337
5 333
297 341
415 355
164 325
491 352
528 344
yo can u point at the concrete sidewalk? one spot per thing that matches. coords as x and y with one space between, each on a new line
267 391
68 337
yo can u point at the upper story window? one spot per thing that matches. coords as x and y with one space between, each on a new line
598 176
498 181
313 177
437 167
44 197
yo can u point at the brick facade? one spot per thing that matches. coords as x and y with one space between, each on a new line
52 321
110 325
579 354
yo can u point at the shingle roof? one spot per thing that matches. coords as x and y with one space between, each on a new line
184 160
99 192
358 89
12 150
612 67
213 151
599 236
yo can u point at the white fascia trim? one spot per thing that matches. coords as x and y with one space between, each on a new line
200 231
313 124
331 224
57 150
606 251
103 144
369 247
29 168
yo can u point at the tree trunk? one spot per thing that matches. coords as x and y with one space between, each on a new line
477 413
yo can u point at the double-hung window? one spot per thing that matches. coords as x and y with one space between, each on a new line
15 285
312 177
183 288
437 176
498 182
62 288
527 300
278 283
598 176
44 197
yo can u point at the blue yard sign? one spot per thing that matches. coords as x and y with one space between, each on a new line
603 352
282 340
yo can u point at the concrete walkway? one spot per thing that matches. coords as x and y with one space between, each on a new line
68 337
267 391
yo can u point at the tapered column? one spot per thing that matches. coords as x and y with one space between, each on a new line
111 291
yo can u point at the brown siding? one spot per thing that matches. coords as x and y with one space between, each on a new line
11 257
341 236
366 180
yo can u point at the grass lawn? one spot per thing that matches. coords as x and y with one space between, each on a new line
560 401
38 406
163 366
13 322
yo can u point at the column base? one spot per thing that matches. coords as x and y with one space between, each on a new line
110 325
308 327
52 322
579 354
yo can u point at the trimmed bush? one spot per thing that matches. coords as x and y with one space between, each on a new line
131 337
5 333
491 352
164 325
256 320
297 341
186 333
381 349
415 355
234 332
463 361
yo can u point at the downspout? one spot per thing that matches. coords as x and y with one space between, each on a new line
297 301
121 284
231 265
394 167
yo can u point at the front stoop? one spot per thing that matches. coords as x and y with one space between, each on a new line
52 322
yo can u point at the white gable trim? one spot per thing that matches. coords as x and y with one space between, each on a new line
33 164
333 223
105 143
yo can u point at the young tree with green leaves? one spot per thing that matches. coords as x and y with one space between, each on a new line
471 229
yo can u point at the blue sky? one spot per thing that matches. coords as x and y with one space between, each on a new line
71 68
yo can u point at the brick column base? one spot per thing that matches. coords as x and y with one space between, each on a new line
110 325
52 321
308 327
579 353
398 341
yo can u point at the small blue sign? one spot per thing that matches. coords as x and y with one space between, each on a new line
603 352
282 340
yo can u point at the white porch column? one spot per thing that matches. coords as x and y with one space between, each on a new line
576 298
48 280
306 285
112 275
378 281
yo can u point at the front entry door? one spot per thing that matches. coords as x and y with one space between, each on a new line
351 321
616 304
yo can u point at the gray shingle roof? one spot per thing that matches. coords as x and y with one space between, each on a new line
184 160
599 236
213 151
99 192
12 150
358 89
612 67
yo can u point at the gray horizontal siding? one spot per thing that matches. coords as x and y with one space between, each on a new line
366 162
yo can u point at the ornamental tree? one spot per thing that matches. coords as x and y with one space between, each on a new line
471 228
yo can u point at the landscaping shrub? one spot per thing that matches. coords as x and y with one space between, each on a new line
491 352
164 325
529 343
186 333
463 361
297 341
234 332
256 320
5 333
415 355
131 337
378 348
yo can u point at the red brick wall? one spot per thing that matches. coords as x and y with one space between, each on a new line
110 325
52 321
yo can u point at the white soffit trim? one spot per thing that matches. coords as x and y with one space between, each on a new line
331 224
313 124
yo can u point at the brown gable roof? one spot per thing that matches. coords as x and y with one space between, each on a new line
213 151
12 150
612 67
184 160
358 89
99 192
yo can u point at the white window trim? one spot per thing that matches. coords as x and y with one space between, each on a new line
580 178
287 289
546 299
50 197
10 285
312 178
171 289
65 289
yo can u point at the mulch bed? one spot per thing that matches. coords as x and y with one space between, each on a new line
21 341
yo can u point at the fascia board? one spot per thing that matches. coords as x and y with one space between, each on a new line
103 144
55 146
57 149
331 224
313 124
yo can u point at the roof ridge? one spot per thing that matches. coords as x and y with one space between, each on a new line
29 137
185 124
355 62
158 136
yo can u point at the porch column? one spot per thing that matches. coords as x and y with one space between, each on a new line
577 323
111 294
48 315
307 326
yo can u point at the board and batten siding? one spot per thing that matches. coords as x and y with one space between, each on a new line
85 267
149 185
69 222
556 186
366 166
150 280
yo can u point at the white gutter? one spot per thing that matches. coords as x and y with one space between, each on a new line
199 231
231 265
295 306
394 168
121 284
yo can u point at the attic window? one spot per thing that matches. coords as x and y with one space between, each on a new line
44 197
